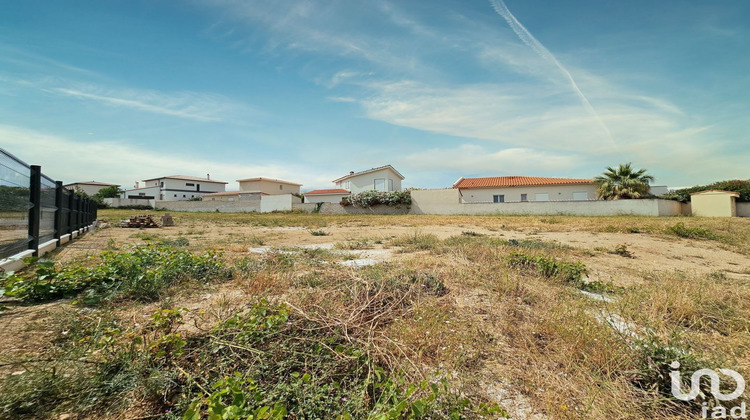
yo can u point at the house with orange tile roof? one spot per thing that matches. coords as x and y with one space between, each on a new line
508 189
381 178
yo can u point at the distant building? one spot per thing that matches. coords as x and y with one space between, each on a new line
270 186
175 188
382 178
90 187
506 189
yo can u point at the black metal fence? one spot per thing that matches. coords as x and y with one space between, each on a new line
35 209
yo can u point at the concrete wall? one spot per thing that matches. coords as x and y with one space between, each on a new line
122 202
264 204
210 206
269 186
324 198
445 201
233 197
335 208
513 194
713 204
366 182
269 203
743 209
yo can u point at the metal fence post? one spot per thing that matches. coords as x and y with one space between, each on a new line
59 210
35 212
71 200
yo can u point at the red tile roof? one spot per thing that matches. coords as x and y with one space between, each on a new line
516 181
333 191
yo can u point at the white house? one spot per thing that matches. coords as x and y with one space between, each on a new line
505 189
90 187
382 178
175 188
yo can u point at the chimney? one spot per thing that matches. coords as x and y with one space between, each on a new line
351 172
136 184
208 176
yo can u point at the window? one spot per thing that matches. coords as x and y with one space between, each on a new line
161 184
281 187
380 184
498 198
189 184
580 196
346 185
524 197
541 197
141 194
390 185
183 195
175 195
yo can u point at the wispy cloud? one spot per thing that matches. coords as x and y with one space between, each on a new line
529 39
196 106
190 105
114 161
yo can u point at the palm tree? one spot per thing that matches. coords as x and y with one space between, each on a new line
623 182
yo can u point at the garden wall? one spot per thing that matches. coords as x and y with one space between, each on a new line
336 208
266 204
446 201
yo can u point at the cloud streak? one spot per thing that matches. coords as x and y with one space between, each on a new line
527 38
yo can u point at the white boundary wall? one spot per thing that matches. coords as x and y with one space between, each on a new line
266 204
122 202
446 201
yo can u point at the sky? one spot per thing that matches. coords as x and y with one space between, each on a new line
306 90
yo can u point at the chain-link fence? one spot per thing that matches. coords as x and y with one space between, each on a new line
35 209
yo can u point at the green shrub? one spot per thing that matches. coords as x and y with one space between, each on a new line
371 198
139 273
739 186
692 233
572 273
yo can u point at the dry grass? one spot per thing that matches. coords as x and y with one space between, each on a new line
452 305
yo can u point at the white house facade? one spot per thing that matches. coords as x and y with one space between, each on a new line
175 188
518 189
383 178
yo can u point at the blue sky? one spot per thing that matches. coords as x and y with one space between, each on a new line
309 90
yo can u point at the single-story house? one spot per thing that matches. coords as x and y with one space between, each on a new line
175 188
326 196
714 203
505 189
90 187
382 178
269 186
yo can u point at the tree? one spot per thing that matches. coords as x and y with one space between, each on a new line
623 182
113 191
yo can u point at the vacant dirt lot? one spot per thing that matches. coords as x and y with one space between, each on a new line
538 343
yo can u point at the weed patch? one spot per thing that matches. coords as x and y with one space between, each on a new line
683 231
139 273
571 273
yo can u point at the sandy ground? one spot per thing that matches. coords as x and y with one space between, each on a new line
650 254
